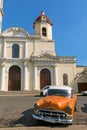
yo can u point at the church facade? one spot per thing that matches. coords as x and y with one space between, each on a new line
29 62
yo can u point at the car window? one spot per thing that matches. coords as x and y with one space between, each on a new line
46 88
59 92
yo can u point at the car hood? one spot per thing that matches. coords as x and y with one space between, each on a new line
55 102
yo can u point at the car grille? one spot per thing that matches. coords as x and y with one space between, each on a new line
52 114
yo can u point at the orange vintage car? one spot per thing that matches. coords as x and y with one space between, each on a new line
57 107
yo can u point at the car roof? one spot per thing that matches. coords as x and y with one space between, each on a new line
61 87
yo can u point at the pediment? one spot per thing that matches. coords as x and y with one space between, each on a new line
15 31
45 56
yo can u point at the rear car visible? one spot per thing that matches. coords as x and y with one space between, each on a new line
44 90
84 93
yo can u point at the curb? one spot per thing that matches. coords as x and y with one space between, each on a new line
72 127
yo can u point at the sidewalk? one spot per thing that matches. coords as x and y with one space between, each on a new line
19 93
72 127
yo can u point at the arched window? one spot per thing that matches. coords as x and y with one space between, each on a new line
15 51
65 79
44 32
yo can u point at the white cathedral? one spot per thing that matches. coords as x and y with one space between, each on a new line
29 62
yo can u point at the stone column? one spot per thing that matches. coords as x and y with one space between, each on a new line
4 49
25 50
35 78
25 77
55 75
2 77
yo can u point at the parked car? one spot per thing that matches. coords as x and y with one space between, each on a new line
44 90
84 93
57 107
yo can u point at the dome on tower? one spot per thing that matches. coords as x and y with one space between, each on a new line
43 18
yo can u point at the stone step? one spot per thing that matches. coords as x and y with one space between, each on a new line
19 93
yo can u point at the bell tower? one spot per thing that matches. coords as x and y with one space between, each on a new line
1 14
43 26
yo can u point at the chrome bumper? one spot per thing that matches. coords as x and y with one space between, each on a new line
53 120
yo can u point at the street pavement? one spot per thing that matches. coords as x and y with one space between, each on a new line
63 127
71 127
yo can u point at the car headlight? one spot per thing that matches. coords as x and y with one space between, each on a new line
36 108
36 105
68 109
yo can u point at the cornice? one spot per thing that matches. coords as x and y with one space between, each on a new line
52 64
13 38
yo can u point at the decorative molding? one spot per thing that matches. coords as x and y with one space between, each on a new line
25 64
44 64
15 30
13 60
2 59
67 59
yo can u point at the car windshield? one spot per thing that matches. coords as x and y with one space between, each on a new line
45 88
58 92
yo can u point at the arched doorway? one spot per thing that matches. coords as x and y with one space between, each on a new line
45 78
14 83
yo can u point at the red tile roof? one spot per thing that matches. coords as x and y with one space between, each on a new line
43 17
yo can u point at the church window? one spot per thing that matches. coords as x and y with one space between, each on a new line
15 51
65 79
44 33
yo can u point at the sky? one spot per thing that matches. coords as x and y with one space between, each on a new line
69 19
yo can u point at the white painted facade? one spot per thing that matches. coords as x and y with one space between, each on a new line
35 56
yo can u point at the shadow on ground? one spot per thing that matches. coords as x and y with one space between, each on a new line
28 121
